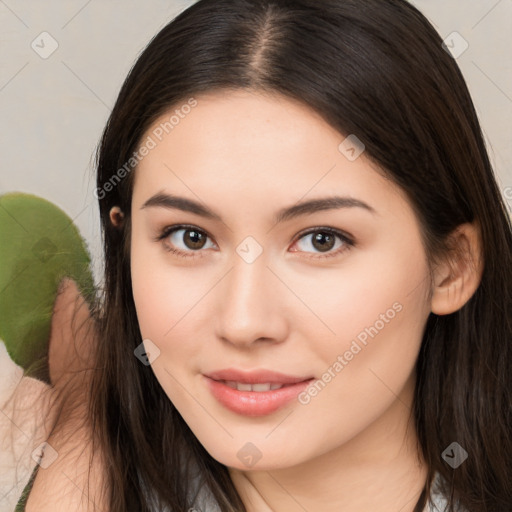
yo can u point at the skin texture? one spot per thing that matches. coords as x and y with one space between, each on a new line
246 156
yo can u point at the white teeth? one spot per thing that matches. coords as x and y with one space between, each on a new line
261 387
242 386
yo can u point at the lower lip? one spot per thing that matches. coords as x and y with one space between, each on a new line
254 403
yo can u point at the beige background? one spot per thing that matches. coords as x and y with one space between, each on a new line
53 110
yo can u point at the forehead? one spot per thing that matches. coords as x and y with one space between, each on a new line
254 148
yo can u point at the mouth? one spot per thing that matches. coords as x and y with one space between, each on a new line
256 393
259 388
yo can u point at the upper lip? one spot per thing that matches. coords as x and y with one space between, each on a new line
254 376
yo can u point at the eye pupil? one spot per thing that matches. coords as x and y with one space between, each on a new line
325 241
195 237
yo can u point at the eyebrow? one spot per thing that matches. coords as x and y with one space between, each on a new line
299 209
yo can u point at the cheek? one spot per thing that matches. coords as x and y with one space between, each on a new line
165 297
378 294
378 310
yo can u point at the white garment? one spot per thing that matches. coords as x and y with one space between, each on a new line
438 502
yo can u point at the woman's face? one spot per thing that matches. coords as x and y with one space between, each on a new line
329 299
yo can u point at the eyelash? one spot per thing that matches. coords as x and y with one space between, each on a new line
168 230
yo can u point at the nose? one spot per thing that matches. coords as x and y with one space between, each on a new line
252 306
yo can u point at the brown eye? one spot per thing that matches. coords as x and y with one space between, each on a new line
324 240
193 239
184 240
187 241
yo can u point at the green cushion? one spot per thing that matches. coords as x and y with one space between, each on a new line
39 246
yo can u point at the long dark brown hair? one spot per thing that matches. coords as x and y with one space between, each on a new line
374 68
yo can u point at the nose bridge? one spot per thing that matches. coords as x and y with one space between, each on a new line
249 303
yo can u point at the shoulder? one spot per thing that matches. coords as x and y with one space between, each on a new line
71 473
69 479
65 485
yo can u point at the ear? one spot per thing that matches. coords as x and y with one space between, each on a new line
458 276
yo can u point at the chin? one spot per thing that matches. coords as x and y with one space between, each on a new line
245 455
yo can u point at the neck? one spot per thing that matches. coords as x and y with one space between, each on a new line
380 469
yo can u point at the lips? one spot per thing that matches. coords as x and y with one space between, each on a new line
254 393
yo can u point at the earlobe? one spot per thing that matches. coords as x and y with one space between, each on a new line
458 277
